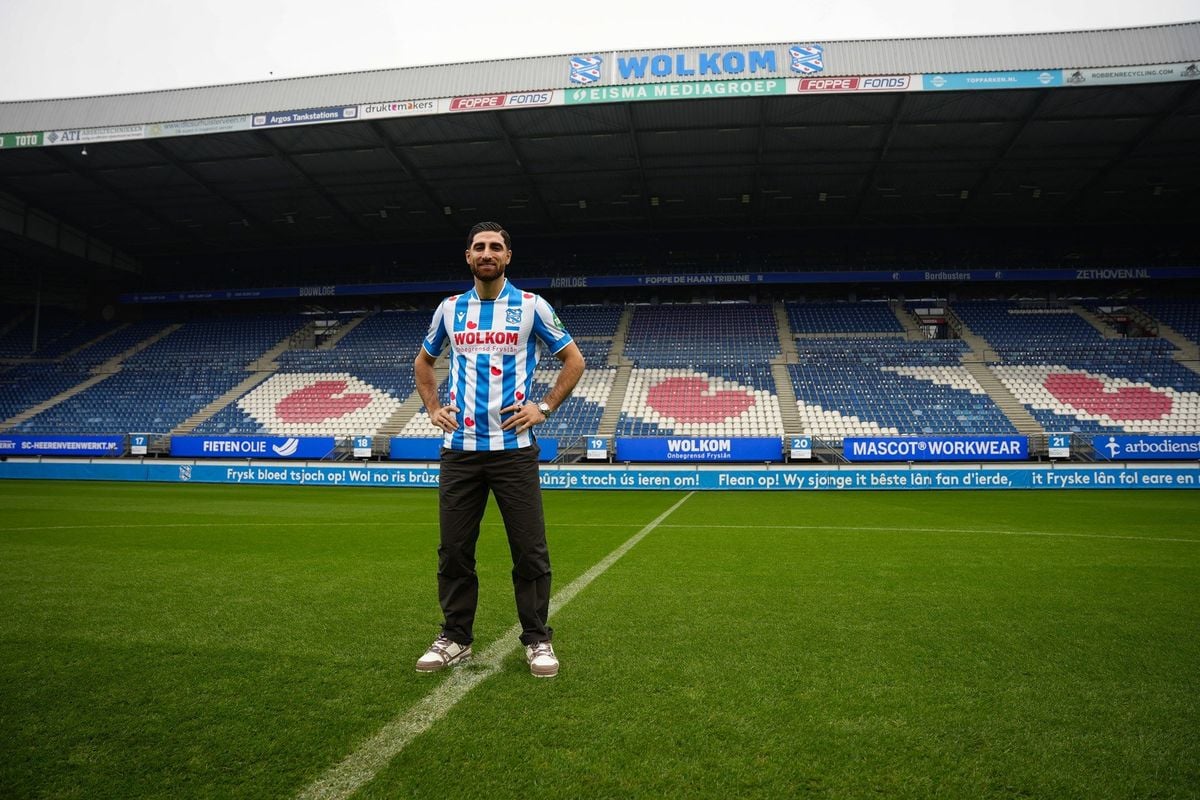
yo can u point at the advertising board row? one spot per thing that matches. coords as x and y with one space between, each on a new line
661 478
663 449
613 78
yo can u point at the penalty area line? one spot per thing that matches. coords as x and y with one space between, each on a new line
361 766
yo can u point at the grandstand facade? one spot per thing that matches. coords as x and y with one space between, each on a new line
970 237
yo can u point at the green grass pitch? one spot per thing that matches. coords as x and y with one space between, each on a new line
212 641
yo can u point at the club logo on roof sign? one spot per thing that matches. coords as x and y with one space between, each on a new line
807 58
586 69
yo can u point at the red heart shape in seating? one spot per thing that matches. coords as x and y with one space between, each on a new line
320 401
694 400
1090 395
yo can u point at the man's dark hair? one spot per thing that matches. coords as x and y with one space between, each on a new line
494 227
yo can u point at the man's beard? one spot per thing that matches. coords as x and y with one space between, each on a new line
499 268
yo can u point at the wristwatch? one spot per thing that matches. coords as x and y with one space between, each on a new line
545 409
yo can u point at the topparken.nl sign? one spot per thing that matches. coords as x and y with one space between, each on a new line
700 448
306 447
1146 448
91 446
936 448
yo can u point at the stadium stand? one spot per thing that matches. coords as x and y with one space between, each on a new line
1183 317
591 320
701 370
681 335
352 388
58 332
165 383
1073 378
827 318
887 386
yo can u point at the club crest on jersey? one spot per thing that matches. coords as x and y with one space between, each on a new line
513 316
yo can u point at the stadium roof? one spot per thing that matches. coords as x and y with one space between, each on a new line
1098 128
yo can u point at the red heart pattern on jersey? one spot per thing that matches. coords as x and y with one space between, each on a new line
471 324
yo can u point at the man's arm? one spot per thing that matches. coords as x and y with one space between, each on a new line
572 369
527 414
441 416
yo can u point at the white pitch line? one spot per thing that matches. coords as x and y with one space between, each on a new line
361 766
936 530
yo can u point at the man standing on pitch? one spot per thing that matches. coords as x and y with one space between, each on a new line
493 333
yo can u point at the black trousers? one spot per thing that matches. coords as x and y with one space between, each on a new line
466 479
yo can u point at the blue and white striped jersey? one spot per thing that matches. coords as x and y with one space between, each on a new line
493 353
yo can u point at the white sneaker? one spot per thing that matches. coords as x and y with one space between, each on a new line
443 653
542 662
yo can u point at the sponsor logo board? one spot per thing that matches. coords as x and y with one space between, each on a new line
304 116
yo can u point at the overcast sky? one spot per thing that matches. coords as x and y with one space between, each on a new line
74 48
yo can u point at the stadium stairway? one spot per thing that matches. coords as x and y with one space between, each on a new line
1185 349
341 332
1096 322
616 358
788 411
976 364
114 363
65 356
979 346
33 411
260 369
14 322
612 412
410 407
912 329
100 373
266 362
252 380
787 343
1012 408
